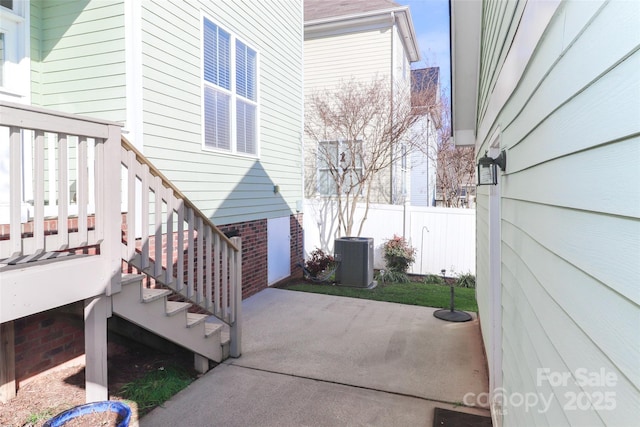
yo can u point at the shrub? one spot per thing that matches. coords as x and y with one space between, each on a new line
398 255
390 276
433 279
466 280
318 263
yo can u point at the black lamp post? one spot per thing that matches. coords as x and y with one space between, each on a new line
451 315
487 168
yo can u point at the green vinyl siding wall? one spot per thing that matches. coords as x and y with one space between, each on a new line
501 20
570 207
229 188
35 34
77 57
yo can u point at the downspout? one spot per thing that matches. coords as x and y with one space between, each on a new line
428 161
393 80
392 167
300 206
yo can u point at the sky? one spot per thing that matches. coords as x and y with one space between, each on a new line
431 24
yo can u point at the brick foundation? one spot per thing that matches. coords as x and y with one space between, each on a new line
254 254
48 339
297 245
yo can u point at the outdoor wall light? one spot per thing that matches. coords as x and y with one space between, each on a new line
487 170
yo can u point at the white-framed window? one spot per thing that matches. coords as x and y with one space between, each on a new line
14 49
339 167
230 92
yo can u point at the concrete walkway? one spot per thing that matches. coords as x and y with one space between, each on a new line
319 360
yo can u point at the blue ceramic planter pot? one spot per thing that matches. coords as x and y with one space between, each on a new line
120 408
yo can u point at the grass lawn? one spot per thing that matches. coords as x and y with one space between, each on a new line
411 293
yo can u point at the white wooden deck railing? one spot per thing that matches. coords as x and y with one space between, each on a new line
75 171
168 238
58 165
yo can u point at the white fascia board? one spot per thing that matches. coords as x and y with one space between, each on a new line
464 136
354 16
345 24
367 21
466 20
408 34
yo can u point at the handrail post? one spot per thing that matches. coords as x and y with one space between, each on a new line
235 348
110 211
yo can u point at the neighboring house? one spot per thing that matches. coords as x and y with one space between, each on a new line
425 99
555 84
454 188
214 108
358 40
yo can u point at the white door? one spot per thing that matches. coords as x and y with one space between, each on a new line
278 249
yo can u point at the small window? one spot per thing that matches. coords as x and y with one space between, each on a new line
339 167
7 3
230 89
246 102
217 99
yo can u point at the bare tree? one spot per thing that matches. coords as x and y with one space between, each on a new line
358 131
455 173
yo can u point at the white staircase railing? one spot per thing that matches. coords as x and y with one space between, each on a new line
168 238
57 165
57 193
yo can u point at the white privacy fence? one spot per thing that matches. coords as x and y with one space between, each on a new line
443 237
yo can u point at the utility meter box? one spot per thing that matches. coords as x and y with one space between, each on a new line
355 261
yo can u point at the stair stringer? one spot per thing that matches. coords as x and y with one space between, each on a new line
151 310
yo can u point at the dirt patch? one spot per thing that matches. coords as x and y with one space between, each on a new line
48 395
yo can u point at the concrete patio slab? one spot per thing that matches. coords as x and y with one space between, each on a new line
382 346
310 359
235 396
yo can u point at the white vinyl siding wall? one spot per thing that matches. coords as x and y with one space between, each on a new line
401 65
361 56
570 208
229 188
332 60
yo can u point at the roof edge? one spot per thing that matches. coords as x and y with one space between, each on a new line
382 16
355 16
465 26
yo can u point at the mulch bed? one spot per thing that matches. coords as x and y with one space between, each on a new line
48 395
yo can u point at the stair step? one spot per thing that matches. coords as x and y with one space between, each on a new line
211 328
194 319
175 307
150 294
225 337
130 278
